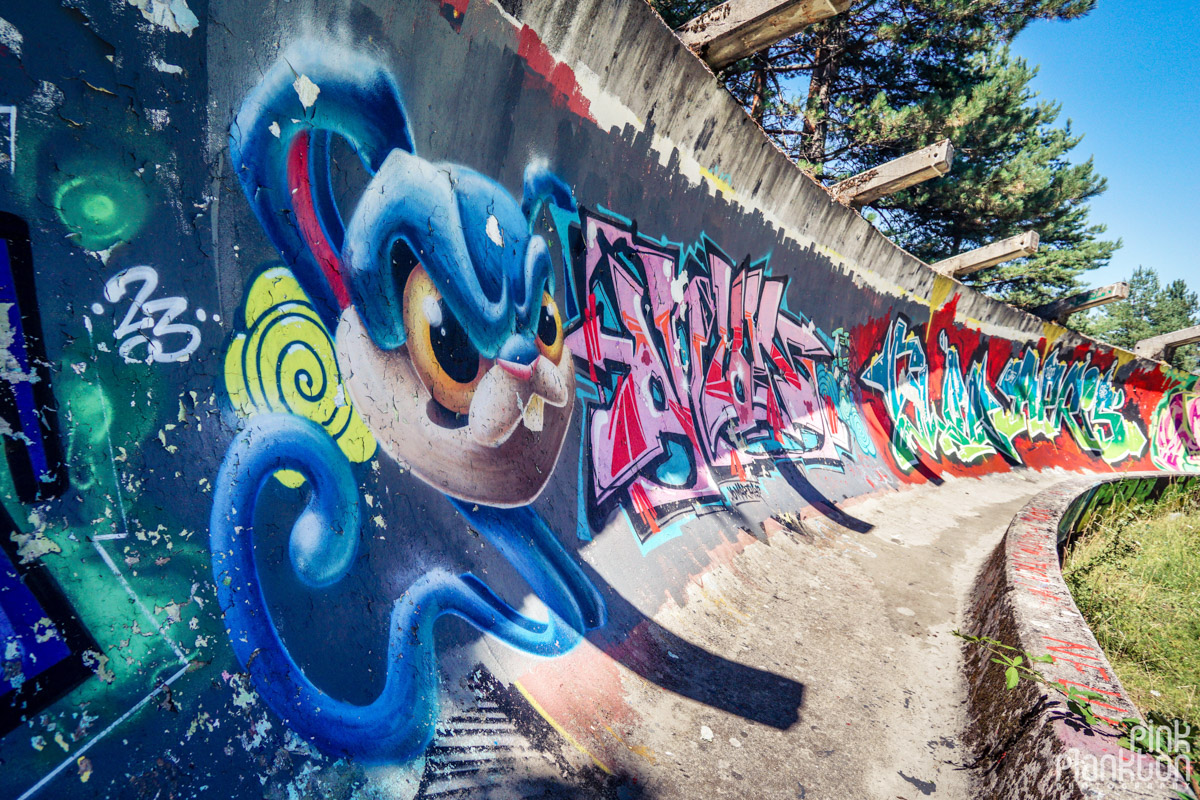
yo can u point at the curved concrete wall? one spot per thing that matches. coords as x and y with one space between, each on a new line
376 371
1028 746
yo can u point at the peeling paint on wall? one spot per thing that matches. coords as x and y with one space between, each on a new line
375 373
172 15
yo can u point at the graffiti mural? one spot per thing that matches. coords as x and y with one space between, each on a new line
1176 425
976 416
449 344
285 362
699 380
381 382
27 404
44 649
149 321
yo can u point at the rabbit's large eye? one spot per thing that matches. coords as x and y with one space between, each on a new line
447 362
549 329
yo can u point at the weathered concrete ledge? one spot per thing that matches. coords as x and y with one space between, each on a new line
1028 744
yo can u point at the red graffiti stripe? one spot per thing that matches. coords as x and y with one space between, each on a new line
643 506
566 90
591 336
686 421
774 417
716 384
300 184
628 443
789 374
735 463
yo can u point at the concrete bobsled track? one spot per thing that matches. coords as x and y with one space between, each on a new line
412 398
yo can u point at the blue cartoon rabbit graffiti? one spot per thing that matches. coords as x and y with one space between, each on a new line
450 344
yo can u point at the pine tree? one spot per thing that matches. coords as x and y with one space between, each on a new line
1151 309
890 76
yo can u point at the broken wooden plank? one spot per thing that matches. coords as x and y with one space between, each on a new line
900 173
1160 347
1059 310
1025 244
740 28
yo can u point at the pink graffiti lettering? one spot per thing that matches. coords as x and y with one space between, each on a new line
702 380
1176 424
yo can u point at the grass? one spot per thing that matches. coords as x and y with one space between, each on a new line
1135 575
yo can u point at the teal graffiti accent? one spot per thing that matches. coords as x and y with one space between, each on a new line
836 383
1034 397
1175 443
101 204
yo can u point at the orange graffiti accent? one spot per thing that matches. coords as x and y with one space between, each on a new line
735 463
643 506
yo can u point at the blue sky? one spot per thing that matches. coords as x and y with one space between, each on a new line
1128 77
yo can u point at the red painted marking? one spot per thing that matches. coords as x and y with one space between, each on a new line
635 327
1035 567
663 323
1101 671
735 463
774 417
686 421
1099 691
591 336
789 374
1092 688
628 442
1044 594
643 506
565 90
1070 648
716 384
300 184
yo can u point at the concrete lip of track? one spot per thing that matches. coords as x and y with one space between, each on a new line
863 622
1030 745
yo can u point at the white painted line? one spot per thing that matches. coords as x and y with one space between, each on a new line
12 136
129 590
71 759
116 480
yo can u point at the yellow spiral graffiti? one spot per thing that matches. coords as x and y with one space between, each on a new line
285 362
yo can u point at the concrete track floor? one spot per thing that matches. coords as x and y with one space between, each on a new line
863 621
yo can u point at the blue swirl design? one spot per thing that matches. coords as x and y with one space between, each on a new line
449 215
399 724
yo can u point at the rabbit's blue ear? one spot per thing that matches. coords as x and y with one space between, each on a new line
542 184
279 145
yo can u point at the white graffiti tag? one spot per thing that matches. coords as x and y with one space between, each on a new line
148 322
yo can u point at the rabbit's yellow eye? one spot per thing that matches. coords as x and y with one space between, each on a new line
442 354
549 330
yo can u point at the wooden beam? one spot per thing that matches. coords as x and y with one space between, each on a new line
1160 347
920 165
1059 310
739 28
990 255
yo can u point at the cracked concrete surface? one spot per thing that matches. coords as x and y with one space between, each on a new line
864 622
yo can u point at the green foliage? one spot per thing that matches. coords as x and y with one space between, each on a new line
1133 572
1017 665
890 76
1152 309
1171 741
1011 174
1155 737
